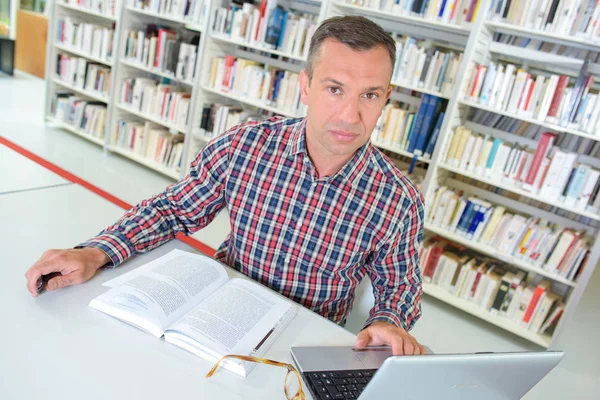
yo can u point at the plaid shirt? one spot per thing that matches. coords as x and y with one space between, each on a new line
311 239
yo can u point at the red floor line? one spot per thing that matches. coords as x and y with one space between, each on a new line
198 245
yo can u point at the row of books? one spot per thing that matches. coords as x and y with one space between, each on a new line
78 72
193 11
530 239
425 67
217 118
268 26
109 8
151 142
545 47
457 12
94 40
578 18
163 50
87 117
572 143
547 170
250 79
489 285
415 132
163 101
506 88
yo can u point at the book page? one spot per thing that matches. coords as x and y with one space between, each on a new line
241 317
162 294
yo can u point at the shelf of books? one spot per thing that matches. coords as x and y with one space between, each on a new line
160 45
102 9
541 20
513 208
79 61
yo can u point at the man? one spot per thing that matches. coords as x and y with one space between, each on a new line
314 207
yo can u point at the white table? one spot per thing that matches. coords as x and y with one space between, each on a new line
56 347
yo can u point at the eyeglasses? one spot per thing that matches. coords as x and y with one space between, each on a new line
290 368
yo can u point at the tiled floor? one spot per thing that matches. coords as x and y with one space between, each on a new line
442 328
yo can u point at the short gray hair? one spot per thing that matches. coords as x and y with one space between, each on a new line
359 33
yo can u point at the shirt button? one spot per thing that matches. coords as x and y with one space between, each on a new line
287 260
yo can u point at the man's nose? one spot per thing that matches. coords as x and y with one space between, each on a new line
350 113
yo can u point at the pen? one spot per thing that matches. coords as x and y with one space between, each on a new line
263 340
43 281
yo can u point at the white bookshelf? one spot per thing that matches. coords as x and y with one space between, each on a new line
78 132
133 18
59 10
92 94
511 29
86 11
251 102
172 173
76 52
476 43
154 71
481 313
482 49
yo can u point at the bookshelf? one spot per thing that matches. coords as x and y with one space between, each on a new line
482 49
94 50
474 40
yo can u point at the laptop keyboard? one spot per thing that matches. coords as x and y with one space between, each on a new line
328 385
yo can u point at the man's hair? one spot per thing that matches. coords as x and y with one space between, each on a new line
359 33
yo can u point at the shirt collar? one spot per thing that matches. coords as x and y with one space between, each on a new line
297 141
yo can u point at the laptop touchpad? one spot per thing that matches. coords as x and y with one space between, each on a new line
373 358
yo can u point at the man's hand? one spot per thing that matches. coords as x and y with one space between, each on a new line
383 333
75 266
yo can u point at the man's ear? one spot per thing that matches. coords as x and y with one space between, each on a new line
304 84
389 93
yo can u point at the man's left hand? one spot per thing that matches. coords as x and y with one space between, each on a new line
383 333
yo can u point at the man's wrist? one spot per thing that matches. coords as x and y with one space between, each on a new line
96 257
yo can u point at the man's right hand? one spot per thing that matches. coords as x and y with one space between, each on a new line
75 266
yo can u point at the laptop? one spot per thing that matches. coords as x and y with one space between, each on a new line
346 373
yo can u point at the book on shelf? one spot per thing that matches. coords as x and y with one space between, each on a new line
531 133
88 117
93 40
251 80
420 64
190 301
545 170
580 19
266 25
217 118
193 11
151 142
505 293
545 47
81 73
163 101
456 12
544 99
535 241
109 8
164 50
414 131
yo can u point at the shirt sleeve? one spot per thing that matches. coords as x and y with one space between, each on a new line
395 273
186 207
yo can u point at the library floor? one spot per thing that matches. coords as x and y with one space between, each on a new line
443 328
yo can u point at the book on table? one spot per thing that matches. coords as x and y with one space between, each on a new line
190 301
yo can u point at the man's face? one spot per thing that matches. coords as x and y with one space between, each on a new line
345 97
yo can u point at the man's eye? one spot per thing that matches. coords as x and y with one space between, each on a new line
334 90
371 96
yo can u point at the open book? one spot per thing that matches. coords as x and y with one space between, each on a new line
190 300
